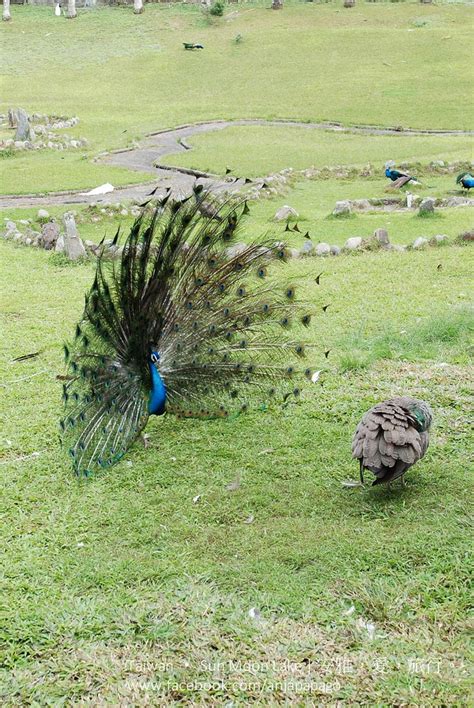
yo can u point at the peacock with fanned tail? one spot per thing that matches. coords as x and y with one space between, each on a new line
179 326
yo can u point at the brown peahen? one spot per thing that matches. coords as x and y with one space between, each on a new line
391 437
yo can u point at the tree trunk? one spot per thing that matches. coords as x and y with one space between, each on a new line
71 9
6 17
138 7
277 4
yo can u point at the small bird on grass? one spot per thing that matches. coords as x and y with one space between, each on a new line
466 180
398 178
391 437
192 45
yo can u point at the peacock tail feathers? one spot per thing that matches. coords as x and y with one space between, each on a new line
461 176
228 335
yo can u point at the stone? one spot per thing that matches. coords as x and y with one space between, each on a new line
91 246
349 3
12 118
397 247
381 236
419 243
342 209
353 243
307 248
466 236
335 250
23 130
103 189
323 249
59 247
235 250
293 253
427 206
49 235
458 202
438 239
11 226
73 246
124 212
43 214
286 212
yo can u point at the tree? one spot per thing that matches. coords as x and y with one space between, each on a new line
71 9
138 7
6 17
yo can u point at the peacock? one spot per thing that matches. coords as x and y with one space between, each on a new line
400 178
179 325
391 437
466 180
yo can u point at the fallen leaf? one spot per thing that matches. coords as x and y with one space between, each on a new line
196 499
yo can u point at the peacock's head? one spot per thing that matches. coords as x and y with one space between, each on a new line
423 414
154 357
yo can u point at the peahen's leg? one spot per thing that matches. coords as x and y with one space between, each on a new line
361 471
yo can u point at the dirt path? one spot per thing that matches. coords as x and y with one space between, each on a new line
155 146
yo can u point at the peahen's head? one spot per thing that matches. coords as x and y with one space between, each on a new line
423 414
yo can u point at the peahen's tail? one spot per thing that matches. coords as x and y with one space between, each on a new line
223 332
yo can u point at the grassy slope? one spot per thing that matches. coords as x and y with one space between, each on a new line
138 78
107 579
258 150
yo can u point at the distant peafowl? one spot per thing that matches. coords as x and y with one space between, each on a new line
399 178
391 437
466 180
178 326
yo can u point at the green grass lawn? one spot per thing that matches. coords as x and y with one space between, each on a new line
107 580
138 78
135 587
255 151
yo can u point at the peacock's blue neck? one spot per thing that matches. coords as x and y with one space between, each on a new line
157 401
388 172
